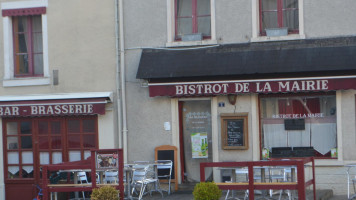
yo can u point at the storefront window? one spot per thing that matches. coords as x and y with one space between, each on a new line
298 126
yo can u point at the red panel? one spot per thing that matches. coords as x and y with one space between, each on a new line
24 11
74 141
89 141
27 191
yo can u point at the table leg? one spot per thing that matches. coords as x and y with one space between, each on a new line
128 175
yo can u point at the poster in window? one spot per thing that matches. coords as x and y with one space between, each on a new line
234 132
199 145
107 161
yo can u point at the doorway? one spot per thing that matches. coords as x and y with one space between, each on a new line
195 137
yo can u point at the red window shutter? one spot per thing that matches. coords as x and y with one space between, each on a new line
24 11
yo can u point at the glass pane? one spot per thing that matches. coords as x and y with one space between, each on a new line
56 157
204 26
13 172
26 142
27 172
89 141
184 8
27 157
291 19
316 129
87 154
74 141
290 3
74 156
21 64
269 5
38 64
73 126
13 158
89 126
12 143
21 43
43 142
11 128
44 158
36 23
42 127
37 43
203 7
184 26
56 142
269 20
56 127
26 128
20 23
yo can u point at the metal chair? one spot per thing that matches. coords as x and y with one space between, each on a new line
141 179
111 176
164 171
82 178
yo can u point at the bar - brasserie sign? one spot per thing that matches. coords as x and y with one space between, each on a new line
51 110
241 87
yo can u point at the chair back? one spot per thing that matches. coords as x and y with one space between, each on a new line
139 172
164 168
111 176
82 177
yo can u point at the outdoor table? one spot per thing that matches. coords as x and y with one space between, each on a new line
349 166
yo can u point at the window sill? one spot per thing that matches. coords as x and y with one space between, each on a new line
191 43
278 38
26 82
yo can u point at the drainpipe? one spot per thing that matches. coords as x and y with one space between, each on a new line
118 91
122 78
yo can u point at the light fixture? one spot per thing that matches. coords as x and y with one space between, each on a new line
232 98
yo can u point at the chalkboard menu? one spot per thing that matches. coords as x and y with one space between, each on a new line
234 132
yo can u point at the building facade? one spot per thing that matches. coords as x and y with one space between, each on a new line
58 87
229 80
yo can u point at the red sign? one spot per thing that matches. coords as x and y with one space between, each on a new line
51 110
241 87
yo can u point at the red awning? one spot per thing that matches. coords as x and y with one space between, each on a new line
24 11
265 86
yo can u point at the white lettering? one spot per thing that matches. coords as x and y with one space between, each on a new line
217 88
179 89
284 87
324 85
34 110
49 110
207 89
90 108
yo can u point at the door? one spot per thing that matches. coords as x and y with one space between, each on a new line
195 138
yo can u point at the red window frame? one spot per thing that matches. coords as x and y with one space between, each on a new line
279 11
36 149
30 46
194 17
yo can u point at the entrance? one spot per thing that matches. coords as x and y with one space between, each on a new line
195 138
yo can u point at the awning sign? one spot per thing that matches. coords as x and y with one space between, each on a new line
252 86
52 110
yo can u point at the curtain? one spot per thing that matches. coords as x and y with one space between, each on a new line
57 157
204 18
37 45
184 9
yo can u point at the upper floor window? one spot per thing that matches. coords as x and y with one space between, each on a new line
28 49
279 14
25 43
192 19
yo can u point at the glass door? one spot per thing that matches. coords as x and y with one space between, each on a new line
197 139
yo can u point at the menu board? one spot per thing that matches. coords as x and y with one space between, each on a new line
234 132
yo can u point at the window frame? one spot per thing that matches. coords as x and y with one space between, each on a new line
319 94
256 21
171 27
9 79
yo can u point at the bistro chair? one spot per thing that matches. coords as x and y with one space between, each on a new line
82 178
111 176
141 179
164 171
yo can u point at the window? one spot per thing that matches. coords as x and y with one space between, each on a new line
300 125
28 50
192 17
279 14
25 43
33 142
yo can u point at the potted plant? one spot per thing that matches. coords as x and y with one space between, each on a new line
206 191
105 193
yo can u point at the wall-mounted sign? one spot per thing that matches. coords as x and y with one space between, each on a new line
251 86
199 145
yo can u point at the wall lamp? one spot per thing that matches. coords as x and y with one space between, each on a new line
232 98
